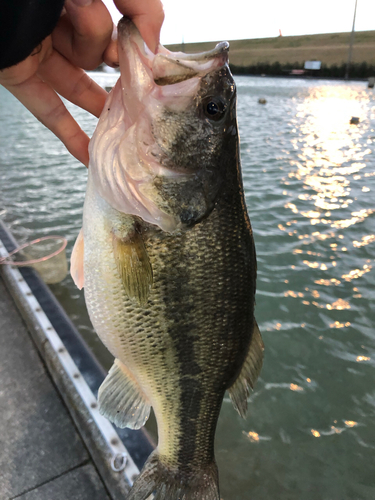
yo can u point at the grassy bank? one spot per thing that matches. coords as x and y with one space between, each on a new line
276 56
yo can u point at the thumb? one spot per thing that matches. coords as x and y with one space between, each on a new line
147 15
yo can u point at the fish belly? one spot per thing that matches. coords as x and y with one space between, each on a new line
186 346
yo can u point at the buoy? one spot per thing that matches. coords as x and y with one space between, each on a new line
262 101
354 120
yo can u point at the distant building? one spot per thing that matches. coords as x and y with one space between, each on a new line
314 65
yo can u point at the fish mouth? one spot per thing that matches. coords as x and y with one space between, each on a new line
142 70
170 68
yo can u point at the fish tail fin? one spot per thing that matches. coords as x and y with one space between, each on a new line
172 483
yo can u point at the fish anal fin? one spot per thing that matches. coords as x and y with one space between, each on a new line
133 265
251 367
121 399
76 261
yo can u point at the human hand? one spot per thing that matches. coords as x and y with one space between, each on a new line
147 15
81 39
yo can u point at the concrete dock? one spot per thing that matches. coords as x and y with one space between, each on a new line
42 456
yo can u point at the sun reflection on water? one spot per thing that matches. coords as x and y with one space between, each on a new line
329 150
330 164
334 429
370 238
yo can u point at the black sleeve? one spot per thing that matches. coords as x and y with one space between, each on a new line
23 26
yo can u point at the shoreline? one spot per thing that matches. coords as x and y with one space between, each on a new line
303 77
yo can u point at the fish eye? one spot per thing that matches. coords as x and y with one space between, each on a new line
214 108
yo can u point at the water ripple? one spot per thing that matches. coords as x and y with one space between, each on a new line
309 179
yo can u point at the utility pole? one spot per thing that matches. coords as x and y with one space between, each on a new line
351 44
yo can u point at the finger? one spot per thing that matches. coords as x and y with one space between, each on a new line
72 83
110 56
48 108
147 15
22 71
83 33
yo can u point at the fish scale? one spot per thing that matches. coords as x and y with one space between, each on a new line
169 271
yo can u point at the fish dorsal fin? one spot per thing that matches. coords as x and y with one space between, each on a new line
133 265
121 399
76 261
239 391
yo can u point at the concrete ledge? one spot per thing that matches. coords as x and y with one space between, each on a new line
98 448
79 484
116 481
39 441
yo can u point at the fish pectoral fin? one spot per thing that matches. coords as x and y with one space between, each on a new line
134 266
121 400
239 391
76 261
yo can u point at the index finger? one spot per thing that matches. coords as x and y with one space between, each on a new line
147 15
83 33
43 102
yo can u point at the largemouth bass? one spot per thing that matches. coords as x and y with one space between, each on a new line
167 259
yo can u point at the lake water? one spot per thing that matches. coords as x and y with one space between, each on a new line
309 179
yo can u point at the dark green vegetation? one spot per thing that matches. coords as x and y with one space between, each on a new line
357 70
279 55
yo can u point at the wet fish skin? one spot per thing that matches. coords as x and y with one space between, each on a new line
200 149
176 308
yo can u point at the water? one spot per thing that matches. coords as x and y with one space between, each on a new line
309 178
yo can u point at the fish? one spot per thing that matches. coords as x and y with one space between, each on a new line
167 259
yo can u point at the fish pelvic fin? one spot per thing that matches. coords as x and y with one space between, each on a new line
121 400
239 392
133 265
76 261
173 483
